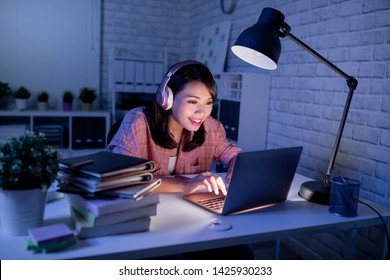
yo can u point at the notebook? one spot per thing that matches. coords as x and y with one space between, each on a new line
259 178
105 165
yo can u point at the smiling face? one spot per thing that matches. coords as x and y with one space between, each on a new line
191 106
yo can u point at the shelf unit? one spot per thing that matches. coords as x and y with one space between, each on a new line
243 101
64 130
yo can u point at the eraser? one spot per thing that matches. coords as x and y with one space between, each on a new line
51 233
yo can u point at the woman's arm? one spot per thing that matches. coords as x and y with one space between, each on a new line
205 180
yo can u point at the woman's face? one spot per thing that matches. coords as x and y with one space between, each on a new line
191 106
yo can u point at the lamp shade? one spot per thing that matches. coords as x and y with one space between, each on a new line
260 45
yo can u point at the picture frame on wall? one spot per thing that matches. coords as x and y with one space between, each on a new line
213 45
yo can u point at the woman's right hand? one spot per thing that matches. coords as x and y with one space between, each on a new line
206 180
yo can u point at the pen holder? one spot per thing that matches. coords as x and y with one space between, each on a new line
344 195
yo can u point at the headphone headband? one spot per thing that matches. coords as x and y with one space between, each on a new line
172 71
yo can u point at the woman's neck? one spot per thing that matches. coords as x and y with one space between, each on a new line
176 130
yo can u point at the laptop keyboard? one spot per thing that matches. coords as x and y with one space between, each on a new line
215 204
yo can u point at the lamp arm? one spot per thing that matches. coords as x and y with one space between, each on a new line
326 179
287 33
351 83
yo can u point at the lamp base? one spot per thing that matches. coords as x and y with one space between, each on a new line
314 191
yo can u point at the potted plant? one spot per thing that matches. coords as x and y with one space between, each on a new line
67 100
21 96
28 166
43 98
5 92
87 96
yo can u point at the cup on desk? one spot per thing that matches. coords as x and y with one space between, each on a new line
344 195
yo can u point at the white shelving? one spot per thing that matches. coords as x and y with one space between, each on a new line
243 100
67 130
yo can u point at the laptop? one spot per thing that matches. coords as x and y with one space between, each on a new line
259 178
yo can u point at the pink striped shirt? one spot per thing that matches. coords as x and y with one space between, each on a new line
134 138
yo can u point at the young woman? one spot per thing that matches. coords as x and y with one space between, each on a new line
178 133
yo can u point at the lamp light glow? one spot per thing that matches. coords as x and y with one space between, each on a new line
254 57
260 46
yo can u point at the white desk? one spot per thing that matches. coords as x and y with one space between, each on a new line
180 227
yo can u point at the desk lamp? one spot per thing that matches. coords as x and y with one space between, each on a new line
260 46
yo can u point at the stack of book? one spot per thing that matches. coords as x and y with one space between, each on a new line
109 193
94 217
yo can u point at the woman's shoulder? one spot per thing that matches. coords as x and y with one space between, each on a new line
135 113
211 123
135 116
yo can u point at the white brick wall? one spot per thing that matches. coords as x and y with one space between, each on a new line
355 36
307 98
143 28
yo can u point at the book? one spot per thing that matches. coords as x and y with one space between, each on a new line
85 230
118 217
49 234
102 206
51 247
105 164
135 191
92 185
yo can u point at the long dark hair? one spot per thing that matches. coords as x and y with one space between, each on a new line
158 117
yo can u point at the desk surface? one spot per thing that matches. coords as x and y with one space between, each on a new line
181 227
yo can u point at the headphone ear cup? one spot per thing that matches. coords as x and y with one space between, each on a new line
164 95
164 98
168 99
160 97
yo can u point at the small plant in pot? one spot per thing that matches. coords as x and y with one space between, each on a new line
5 90
87 96
43 99
28 167
21 95
5 93
67 100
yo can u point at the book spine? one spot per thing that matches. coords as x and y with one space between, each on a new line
97 231
118 204
81 204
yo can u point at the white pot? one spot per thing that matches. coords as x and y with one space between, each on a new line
21 210
21 103
42 106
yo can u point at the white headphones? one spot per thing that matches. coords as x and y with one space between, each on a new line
164 95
